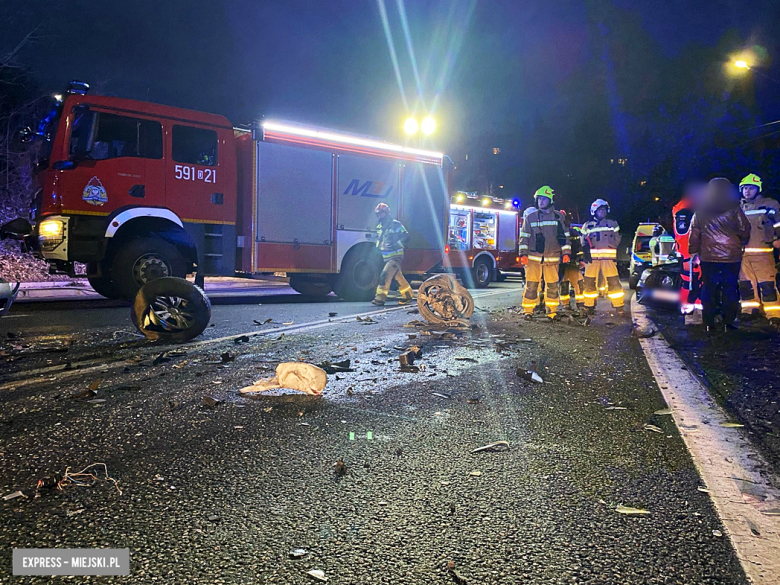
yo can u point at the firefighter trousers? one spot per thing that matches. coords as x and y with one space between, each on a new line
757 286
614 289
392 271
534 272
571 283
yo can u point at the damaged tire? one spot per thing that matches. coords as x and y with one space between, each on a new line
443 301
171 309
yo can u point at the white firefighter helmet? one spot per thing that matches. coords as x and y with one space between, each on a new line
596 204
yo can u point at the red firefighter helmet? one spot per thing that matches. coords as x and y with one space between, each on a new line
382 208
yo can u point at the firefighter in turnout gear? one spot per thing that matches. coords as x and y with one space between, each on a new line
757 286
543 241
600 239
392 237
571 277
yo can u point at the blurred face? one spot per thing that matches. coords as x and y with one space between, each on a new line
543 202
601 213
381 216
749 191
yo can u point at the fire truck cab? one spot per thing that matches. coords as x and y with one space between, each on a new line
137 191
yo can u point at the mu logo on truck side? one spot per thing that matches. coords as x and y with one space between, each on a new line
368 189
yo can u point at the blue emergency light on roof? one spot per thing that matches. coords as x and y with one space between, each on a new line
297 134
78 87
516 202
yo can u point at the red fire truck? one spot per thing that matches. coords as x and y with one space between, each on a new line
481 242
137 191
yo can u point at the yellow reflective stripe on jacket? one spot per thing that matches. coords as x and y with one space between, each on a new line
757 250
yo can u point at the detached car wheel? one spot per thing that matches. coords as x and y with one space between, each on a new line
171 309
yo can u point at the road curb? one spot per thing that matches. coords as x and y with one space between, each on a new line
744 498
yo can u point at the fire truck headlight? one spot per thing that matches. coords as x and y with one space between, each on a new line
51 233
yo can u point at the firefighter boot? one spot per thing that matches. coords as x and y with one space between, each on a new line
380 298
406 296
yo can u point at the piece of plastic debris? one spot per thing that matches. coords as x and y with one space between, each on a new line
731 425
340 468
241 339
701 488
317 575
473 400
295 376
497 446
466 359
210 402
643 332
529 375
663 411
335 367
441 395
97 401
408 357
298 553
615 408
753 528
262 322
717 533
13 496
653 428
621 509
475 473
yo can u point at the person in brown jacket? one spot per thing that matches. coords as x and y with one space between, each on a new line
719 233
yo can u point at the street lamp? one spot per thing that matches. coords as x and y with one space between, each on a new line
411 126
427 127
741 65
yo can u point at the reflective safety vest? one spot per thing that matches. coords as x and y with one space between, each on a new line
544 236
603 237
763 213
391 239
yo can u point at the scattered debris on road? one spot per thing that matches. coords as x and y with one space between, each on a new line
408 357
210 402
652 428
731 425
529 375
643 332
336 367
621 509
498 446
317 575
299 376
298 553
256 322
663 411
340 468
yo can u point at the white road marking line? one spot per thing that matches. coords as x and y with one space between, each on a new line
725 459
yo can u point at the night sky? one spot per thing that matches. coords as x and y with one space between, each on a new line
561 86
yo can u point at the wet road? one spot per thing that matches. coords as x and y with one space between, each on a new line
223 494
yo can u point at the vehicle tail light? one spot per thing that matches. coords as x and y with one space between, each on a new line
447 249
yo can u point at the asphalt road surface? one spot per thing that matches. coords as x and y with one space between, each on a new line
222 494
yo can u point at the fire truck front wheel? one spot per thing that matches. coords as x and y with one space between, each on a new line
143 260
104 286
